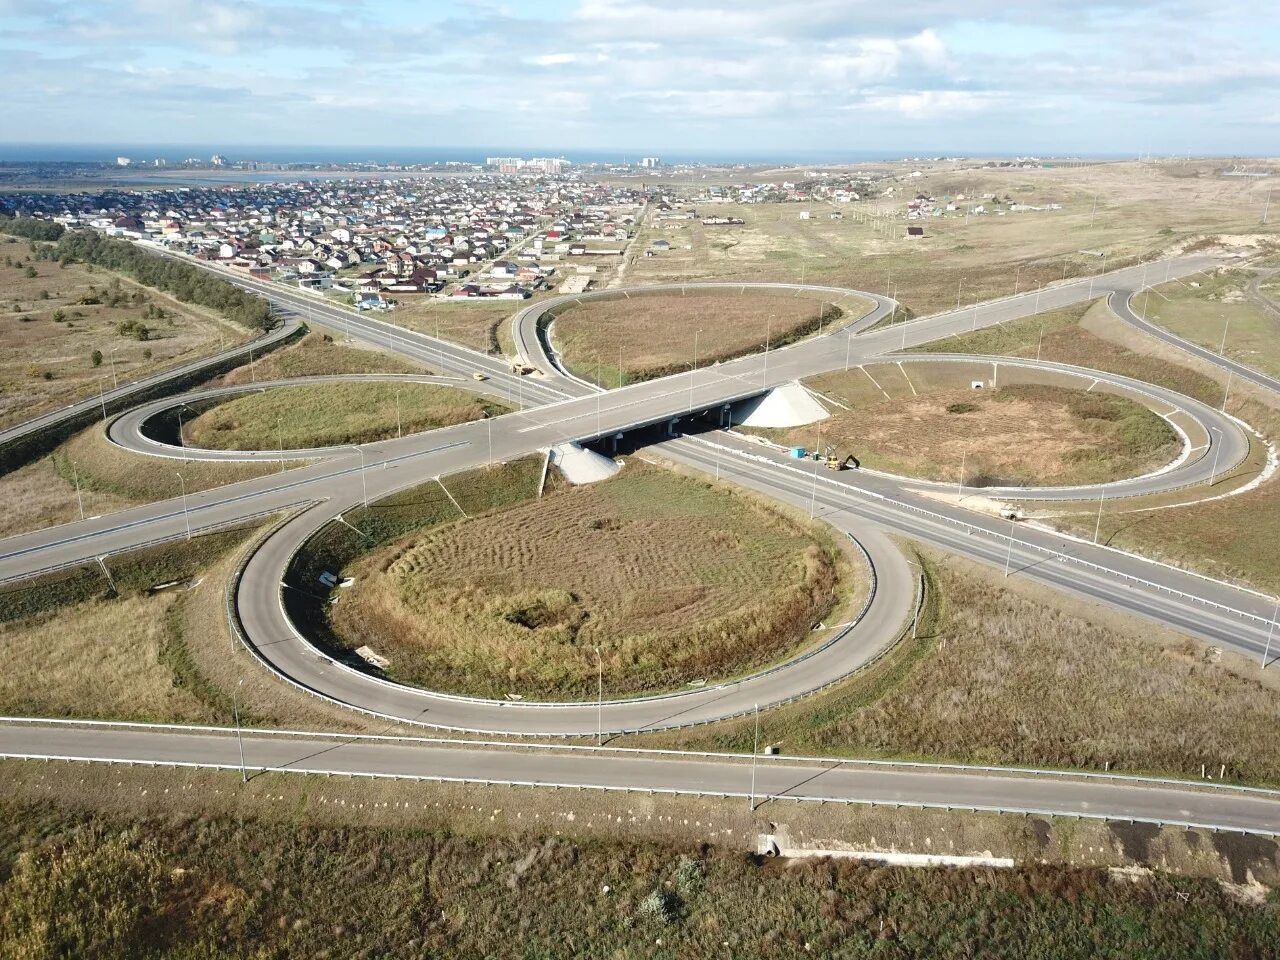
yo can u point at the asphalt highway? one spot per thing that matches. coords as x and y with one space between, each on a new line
775 779
863 504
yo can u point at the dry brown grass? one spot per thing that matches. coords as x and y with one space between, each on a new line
1019 434
318 354
672 578
100 658
1141 208
32 343
471 324
36 496
1011 672
655 333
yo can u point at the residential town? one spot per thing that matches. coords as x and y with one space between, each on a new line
485 237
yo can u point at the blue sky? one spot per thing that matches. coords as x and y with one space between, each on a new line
648 76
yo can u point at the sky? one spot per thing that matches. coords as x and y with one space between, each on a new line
649 76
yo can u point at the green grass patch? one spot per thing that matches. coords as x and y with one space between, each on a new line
334 414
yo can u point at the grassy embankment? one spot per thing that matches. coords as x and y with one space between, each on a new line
75 644
654 334
275 884
671 578
920 423
1218 312
1236 537
333 414
43 494
319 354
1013 673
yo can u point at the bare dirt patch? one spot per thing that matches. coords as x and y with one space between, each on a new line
673 579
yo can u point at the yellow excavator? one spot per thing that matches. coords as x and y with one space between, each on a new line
836 462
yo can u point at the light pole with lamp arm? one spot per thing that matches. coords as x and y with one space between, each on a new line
186 515
364 487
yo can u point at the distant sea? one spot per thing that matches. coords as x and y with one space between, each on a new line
176 153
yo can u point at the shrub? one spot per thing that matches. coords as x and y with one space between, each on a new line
96 358
961 407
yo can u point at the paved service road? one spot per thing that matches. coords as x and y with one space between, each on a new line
776 779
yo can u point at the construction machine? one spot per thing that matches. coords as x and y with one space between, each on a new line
836 462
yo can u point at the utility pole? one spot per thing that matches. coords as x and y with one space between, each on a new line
755 754
185 513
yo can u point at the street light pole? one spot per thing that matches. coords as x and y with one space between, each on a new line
1217 450
1227 393
813 494
768 331
280 437
1097 527
364 487
1270 630
963 456
755 753
959 288
694 369
1223 345
1017 280
1008 557
75 476
599 699
111 355
102 400
186 515
235 708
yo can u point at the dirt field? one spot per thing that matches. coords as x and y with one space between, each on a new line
1007 671
654 335
332 414
1021 434
673 579
48 333
1140 209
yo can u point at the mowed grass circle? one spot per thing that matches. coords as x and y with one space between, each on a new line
675 580
332 414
